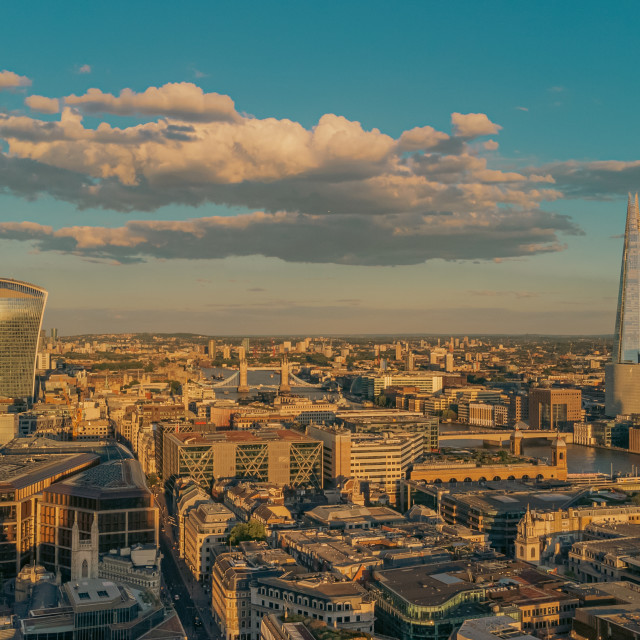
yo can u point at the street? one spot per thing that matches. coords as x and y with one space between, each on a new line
192 602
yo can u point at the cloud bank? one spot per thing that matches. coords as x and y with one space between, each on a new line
334 192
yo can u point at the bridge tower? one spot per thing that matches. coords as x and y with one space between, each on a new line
516 442
559 453
285 387
243 386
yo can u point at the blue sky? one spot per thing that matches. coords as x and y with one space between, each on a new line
500 223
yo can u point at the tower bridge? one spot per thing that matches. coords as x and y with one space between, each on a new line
239 378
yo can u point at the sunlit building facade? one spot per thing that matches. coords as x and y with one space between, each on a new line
21 309
622 374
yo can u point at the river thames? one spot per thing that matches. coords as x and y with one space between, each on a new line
579 459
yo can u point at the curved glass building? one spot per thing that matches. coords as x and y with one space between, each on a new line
21 310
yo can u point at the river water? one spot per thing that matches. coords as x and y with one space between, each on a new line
259 381
579 459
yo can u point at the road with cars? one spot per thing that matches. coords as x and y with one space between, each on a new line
178 588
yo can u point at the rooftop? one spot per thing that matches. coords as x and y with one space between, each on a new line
19 471
262 435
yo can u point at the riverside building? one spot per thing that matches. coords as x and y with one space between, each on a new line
622 374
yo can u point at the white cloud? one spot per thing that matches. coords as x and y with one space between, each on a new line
472 125
42 104
333 192
85 68
183 100
11 80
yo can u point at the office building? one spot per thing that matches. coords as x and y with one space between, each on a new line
320 596
492 628
281 456
21 310
100 610
22 478
374 385
104 508
622 374
231 579
206 525
212 349
377 458
555 409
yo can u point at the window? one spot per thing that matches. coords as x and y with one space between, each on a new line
83 596
103 594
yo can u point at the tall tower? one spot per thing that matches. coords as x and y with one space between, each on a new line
243 387
284 376
21 309
622 375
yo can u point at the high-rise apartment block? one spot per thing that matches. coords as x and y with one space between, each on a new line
21 310
622 374
212 349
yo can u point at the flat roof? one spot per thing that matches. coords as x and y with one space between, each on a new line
263 435
17 472
122 478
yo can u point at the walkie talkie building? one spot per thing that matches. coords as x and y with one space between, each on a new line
21 309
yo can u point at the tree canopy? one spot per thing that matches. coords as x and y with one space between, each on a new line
244 531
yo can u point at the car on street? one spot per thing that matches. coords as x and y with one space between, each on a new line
176 597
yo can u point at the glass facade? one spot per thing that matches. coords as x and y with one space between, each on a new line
21 309
626 345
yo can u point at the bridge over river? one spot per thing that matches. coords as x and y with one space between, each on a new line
501 436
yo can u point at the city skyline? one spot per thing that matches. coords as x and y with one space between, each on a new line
277 172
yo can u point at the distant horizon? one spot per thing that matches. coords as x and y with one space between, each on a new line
336 335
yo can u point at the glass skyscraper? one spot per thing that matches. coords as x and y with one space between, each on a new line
622 375
21 309
626 339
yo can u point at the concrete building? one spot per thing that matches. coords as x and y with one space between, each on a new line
321 596
137 567
208 524
106 507
280 456
379 458
22 479
374 385
231 579
453 469
555 409
543 535
492 628
101 610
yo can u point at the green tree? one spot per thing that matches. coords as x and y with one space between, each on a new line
175 388
152 479
244 531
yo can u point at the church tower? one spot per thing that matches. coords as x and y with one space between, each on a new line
84 553
527 543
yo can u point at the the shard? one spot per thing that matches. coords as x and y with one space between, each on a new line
622 375
626 340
